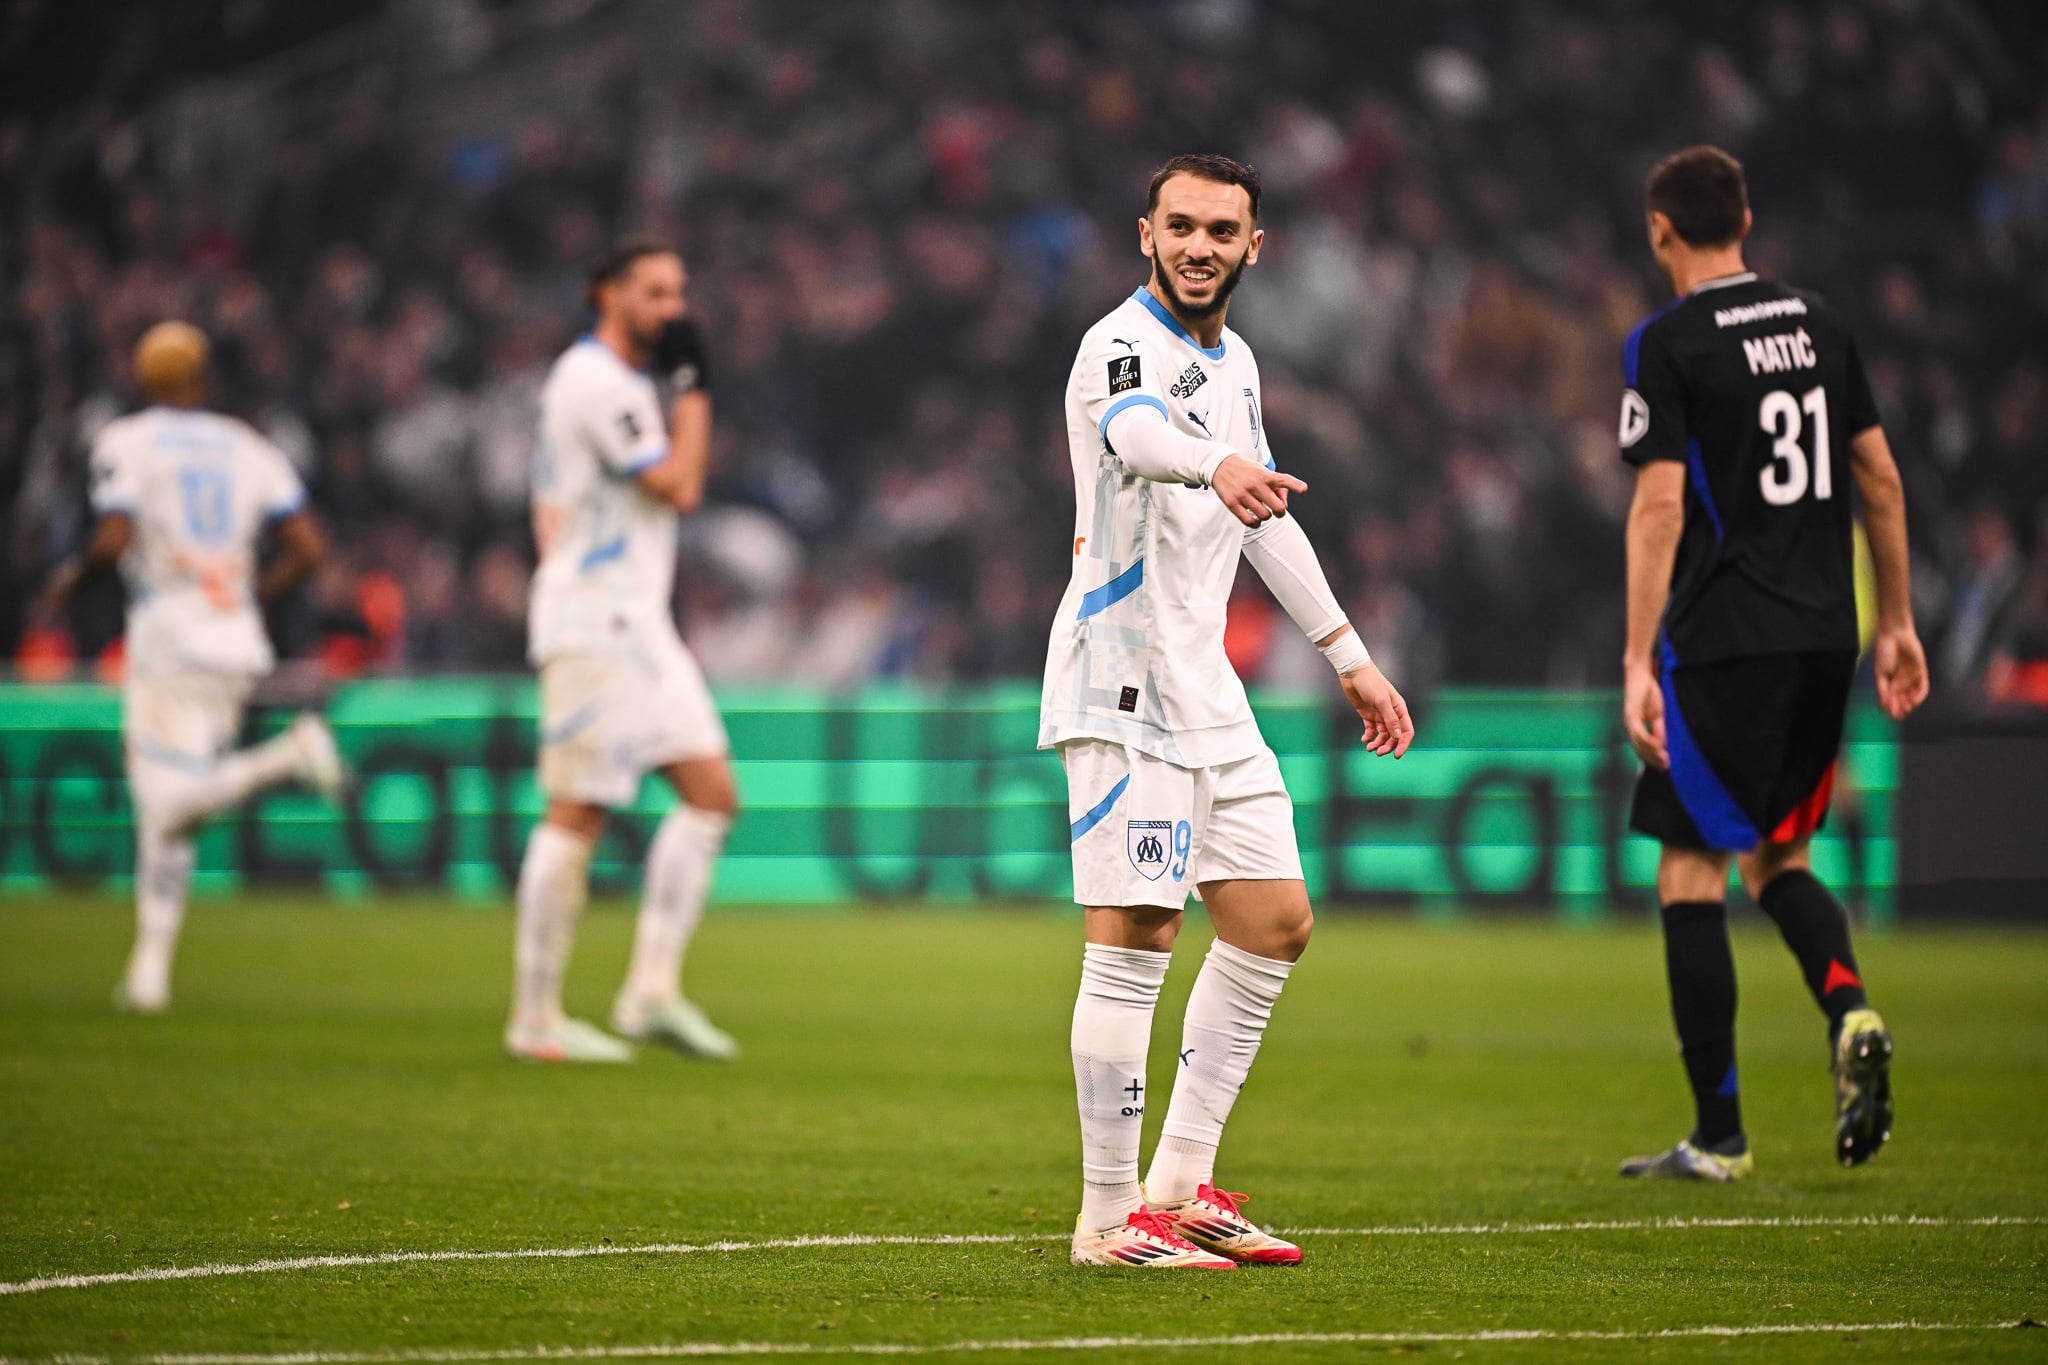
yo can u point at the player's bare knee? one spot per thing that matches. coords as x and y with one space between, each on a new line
722 800
706 784
1294 931
1151 927
578 818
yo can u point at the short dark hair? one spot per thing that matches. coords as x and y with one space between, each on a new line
618 261
1701 191
1206 166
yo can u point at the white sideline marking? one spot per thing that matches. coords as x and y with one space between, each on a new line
857 1239
661 1350
1884 1220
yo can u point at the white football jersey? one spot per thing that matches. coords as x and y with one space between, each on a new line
200 488
610 567
1137 649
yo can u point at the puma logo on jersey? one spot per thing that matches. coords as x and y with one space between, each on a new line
1782 351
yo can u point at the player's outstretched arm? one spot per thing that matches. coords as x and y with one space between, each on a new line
1899 661
1140 436
1280 551
1656 520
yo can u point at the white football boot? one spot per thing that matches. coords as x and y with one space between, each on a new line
566 1040
675 1022
1147 1241
1211 1221
319 761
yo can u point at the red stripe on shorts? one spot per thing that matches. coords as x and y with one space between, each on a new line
1805 817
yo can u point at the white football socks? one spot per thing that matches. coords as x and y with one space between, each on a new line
1227 1013
163 878
1112 1028
554 881
679 862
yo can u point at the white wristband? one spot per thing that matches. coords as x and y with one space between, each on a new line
1346 653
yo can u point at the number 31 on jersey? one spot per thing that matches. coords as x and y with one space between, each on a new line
1784 479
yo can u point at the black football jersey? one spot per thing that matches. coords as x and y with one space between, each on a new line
1757 389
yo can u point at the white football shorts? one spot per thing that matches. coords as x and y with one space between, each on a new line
1146 832
174 726
608 719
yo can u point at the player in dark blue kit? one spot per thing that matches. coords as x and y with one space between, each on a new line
1747 417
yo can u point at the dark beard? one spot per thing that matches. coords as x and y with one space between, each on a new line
1224 286
646 340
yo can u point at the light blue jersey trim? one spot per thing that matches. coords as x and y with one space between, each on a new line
1172 324
1112 592
614 548
644 461
1135 400
579 720
289 507
1095 816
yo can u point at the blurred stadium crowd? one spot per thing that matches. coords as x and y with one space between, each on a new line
899 217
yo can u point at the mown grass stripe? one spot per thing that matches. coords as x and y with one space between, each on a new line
345 1261
666 1350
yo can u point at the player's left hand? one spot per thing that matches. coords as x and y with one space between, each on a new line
1900 666
1642 715
1388 730
679 356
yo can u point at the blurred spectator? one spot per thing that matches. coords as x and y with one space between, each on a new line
1992 572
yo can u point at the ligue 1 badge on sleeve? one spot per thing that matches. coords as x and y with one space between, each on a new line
1123 373
1146 842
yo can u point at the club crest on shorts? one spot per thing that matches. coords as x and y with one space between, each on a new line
1147 842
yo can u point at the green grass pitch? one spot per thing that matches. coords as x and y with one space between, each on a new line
330 1084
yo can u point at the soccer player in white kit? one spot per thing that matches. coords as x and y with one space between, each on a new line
183 497
1170 786
620 694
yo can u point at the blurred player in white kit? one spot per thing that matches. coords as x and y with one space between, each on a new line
620 694
1170 786
183 498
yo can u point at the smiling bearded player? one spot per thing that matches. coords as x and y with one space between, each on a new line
1171 788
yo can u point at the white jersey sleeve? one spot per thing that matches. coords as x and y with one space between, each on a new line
278 490
116 485
1124 392
621 422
